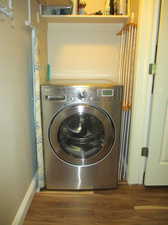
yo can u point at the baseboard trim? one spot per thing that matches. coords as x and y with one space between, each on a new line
25 204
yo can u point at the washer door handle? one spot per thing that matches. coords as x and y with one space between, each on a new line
55 98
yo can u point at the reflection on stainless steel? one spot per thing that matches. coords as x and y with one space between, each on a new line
81 137
80 109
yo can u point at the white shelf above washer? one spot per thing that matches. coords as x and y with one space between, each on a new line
85 18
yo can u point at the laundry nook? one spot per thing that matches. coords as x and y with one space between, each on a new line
84 113
82 127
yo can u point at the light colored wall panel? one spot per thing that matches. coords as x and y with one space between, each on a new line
16 170
83 51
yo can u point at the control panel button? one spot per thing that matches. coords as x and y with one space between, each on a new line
82 94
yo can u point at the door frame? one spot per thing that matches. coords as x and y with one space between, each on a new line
148 21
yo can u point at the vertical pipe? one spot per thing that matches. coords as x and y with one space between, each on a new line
123 142
131 57
126 76
129 65
127 143
126 66
125 63
131 71
121 146
132 68
121 57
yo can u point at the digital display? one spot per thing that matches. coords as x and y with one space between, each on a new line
107 92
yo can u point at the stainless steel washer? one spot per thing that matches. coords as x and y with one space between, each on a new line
81 130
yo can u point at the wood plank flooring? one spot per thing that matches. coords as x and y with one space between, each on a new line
128 205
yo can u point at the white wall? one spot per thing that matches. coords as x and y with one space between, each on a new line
16 170
78 51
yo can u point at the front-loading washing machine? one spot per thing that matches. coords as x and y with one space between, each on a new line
81 133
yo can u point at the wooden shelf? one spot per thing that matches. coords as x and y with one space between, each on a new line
85 18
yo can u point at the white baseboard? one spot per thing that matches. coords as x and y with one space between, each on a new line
25 204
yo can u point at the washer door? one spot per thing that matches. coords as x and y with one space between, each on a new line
81 134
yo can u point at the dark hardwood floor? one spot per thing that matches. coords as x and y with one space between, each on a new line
127 205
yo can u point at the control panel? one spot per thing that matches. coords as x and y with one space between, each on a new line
79 94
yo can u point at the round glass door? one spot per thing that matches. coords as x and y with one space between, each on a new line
81 134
